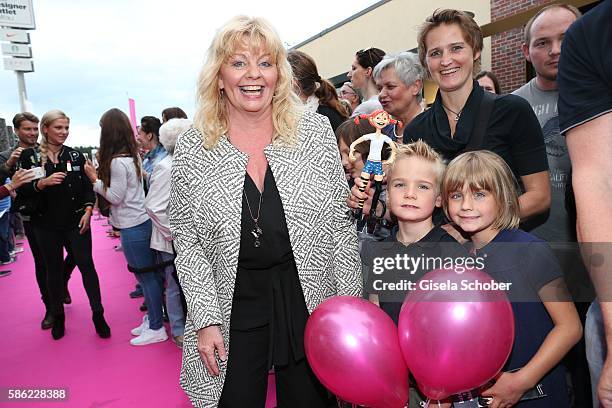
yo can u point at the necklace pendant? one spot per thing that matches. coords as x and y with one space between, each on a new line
256 232
457 118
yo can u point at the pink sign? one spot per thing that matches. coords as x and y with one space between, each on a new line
133 115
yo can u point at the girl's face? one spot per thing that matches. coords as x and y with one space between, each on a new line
57 131
352 170
474 212
450 59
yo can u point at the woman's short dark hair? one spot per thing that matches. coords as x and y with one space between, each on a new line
370 57
150 124
492 77
172 113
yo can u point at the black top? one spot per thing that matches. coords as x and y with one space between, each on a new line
585 68
334 117
517 257
267 290
436 244
63 205
513 131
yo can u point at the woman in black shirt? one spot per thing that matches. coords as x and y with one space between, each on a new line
61 206
450 43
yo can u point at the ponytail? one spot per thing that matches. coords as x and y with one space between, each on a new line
327 96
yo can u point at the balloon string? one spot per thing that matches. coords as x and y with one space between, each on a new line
427 403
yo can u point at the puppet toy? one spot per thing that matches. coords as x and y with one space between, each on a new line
374 164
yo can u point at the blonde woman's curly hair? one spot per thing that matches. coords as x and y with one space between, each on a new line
212 116
45 121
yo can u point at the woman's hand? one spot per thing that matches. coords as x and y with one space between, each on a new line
209 340
507 390
52 180
353 199
91 172
84 223
21 177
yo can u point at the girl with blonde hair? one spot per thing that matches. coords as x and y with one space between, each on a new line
479 195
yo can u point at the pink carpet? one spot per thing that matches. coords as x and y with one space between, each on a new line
96 372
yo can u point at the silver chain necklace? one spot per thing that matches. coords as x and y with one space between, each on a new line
256 232
457 114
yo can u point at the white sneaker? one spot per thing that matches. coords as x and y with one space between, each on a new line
16 251
149 336
144 325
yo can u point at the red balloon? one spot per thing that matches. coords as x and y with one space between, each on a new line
455 340
353 349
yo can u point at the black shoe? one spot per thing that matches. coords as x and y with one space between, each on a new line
57 331
101 327
143 307
47 322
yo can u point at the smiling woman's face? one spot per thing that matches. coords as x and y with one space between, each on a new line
248 79
450 59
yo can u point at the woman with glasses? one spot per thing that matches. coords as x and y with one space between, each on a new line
350 94
361 76
317 94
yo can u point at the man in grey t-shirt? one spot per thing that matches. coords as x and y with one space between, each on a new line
542 47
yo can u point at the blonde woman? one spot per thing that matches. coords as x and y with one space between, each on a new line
62 211
267 238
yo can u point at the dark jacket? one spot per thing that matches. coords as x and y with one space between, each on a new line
63 205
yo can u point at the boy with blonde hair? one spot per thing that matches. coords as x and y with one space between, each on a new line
413 193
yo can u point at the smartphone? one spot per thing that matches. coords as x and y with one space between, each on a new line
38 172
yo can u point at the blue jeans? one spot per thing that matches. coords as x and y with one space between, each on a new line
135 242
173 296
596 349
4 238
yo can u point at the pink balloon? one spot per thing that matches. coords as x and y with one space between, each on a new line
452 340
353 349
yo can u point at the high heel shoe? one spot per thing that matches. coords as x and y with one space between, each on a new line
57 331
101 327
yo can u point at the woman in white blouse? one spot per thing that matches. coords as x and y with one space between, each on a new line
156 204
119 180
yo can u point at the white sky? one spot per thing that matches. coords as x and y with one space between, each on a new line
90 55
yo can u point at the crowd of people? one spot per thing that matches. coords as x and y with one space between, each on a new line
237 226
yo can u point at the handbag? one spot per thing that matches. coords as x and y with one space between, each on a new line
104 206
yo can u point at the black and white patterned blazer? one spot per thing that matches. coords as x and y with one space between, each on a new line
205 213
